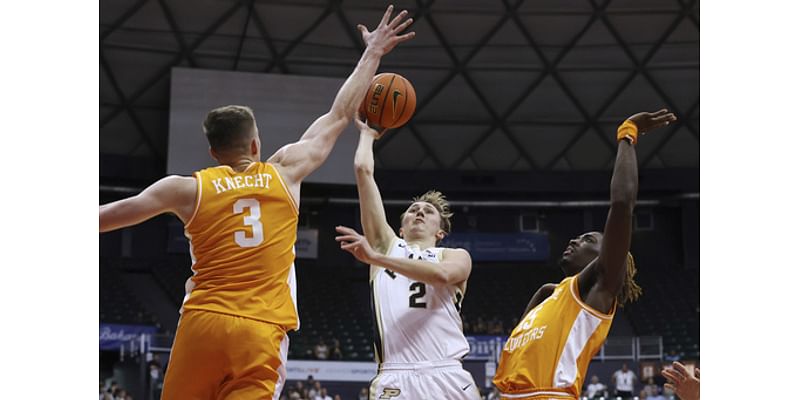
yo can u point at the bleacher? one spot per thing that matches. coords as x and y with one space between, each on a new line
334 303
669 308
117 304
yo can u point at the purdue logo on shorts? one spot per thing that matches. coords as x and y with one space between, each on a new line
388 393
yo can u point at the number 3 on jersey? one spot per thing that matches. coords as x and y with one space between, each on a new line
253 221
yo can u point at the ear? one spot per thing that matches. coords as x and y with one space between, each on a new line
401 233
254 145
440 234
213 154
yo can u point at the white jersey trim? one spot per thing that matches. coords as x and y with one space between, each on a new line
582 330
197 201
573 288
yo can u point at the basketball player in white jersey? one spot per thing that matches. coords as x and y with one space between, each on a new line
416 291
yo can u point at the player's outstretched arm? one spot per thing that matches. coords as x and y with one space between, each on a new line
454 268
373 216
611 264
174 194
297 160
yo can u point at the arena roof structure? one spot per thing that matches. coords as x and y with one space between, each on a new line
502 85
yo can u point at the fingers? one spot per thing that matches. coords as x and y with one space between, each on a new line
697 373
681 369
665 117
363 29
359 120
350 247
345 230
386 15
346 238
672 375
407 36
397 19
670 387
403 26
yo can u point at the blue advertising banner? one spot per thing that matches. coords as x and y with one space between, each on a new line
485 347
112 336
521 246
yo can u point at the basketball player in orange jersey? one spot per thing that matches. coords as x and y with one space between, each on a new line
416 290
241 221
565 324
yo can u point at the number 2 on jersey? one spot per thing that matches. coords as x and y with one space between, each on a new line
253 220
412 301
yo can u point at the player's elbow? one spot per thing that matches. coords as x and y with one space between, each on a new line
340 112
440 277
363 168
623 196
446 276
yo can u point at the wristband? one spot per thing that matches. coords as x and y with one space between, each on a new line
629 131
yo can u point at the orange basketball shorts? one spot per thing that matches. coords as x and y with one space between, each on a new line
220 356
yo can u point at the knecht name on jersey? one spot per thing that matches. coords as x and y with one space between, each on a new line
239 182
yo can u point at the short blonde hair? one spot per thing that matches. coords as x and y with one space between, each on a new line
440 203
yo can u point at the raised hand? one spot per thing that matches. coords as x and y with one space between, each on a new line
385 36
364 128
686 386
647 121
356 244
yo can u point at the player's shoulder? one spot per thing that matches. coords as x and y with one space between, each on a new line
177 182
453 251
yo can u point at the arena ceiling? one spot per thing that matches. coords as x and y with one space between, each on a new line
501 84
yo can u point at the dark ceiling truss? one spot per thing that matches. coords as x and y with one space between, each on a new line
549 70
121 20
176 32
250 5
640 68
458 67
164 72
499 120
126 106
273 51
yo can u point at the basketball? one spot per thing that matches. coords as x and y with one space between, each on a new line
390 101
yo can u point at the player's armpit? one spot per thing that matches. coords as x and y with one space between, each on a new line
299 159
544 292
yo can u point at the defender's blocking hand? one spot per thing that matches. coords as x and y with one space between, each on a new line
385 36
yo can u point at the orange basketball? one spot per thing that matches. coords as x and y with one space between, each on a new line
390 101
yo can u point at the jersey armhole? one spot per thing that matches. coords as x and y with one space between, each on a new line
289 195
373 269
197 199
573 289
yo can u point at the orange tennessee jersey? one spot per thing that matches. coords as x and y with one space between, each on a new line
241 238
547 354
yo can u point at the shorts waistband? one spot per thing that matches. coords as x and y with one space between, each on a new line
543 394
420 366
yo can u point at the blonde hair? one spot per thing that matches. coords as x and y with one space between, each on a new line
440 203
630 289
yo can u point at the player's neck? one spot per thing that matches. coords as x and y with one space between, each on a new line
239 163
422 243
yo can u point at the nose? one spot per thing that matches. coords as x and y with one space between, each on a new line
574 242
420 214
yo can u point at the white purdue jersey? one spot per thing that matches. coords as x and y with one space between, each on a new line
414 321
